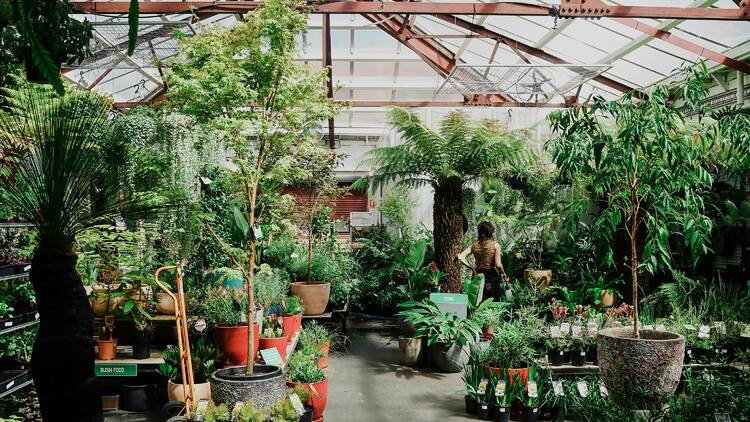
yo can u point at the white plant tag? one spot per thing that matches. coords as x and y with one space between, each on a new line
9 385
722 417
257 232
660 327
704 332
583 388
557 387
482 386
8 323
690 327
603 390
565 328
297 403
554 331
648 327
533 390
500 389
27 268
745 331
720 327
576 331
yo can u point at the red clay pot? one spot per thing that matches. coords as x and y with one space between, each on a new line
523 372
317 401
289 325
107 349
232 342
279 343
314 296
325 348
297 322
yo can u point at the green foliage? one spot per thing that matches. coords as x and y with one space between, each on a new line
315 334
18 345
248 413
216 413
438 327
293 305
204 356
283 411
271 284
473 373
219 306
396 207
302 368
133 13
272 328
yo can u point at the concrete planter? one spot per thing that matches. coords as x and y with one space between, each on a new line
629 366
314 296
449 358
264 388
410 350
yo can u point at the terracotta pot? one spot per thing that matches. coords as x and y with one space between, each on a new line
99 303
512 372
297 322
279 343
318 396
107 349
313 295
410 350
165 305
537 279
638 369
289 324
607 298
326 349
488 332
232 342
200 391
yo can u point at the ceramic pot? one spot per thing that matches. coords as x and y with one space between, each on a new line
279 343
537 279
313 295
289 326
232 341
200 391
325 348
165 305
318 396
265 387
410 350
449 358
607 298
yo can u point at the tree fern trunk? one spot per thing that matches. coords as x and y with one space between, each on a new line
63 356
447 214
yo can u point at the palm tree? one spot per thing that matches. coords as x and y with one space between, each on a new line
448 160
53 175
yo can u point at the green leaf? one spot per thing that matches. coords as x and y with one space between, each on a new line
128 306
240 221
39 54
133 13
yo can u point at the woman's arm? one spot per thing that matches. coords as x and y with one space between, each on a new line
462 258
498 261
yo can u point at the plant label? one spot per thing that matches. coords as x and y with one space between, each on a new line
565 328
271 357
484 407
482 386
745 331
200 409
200 325
603 390
722 417
576 333
9 385
648 327
236 410
297 403
557 387
690 327
257 232
27 268
660 327
8 323
500 389
502 410
532 388
720 327
583 388
554 331
508 295
36 315
704 332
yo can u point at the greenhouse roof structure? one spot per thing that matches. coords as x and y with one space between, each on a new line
447 53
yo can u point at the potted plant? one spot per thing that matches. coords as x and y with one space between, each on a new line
472 376
292 315
555 398
510 350
304 396
107 343
637 153
205 358
602 291
319 181
318 337
448 336
164 303
273 336
304 371
135 310
486 392
531 398
505 392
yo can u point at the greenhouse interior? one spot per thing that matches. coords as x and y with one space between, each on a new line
340 210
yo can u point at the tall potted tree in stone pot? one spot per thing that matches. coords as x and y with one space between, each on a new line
244 81
644 167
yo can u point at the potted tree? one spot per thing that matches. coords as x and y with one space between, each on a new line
136 310
319 182
648 175
225 311
205 358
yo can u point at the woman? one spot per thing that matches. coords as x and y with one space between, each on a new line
487 259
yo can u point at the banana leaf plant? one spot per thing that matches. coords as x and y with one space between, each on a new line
440 327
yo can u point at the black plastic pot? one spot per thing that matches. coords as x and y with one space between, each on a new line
702 355
558 414
530 414
142 345
471 405
137 397
688 356
567 355
307 416
578 358
502 414
483 412
7 270
591 355
555 357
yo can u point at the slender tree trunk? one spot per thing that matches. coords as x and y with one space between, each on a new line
634 270
447 214
63 356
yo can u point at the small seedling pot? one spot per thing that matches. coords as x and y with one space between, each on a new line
483 411
558 414
567 356
555 357
502 414
471 405
579 358
142 345
591 355
530 414
137 397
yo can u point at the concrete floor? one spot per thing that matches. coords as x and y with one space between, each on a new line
367 383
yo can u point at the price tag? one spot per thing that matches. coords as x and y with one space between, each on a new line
660 327
603 393
297 403
533 390
500 389
583 388
482 386
576 331
557 387
565 328
271 357
554 331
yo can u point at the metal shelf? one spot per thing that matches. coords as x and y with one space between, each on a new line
16 383
13 276
12 328
14 225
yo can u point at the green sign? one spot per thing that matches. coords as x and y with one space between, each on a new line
116 369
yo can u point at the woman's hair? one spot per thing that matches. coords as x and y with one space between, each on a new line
485 230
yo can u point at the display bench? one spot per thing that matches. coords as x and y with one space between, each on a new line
12 381
570 370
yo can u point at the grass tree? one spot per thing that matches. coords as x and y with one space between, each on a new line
644 164
448 160
53 174
245 81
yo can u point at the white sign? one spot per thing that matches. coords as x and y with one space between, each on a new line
557 387
583 388
565 328
297 403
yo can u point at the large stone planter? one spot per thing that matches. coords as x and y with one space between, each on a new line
264 388
410 350
449 358
314 296
634 369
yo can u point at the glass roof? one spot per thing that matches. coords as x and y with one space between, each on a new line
370 65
